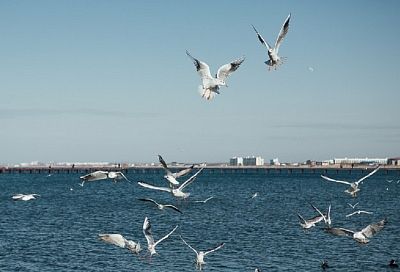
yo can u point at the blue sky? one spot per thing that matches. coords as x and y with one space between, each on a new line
110 81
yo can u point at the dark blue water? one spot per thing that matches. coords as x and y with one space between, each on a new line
58 231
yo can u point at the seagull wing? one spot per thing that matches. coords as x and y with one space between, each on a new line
366 212
340 231
214 249
121 175
147 231
18 196
370 174
166 236
202 68
164 165
351 214
190 180
115 239
148 200
172 207
323 216
183 172
301 218
225 70
189 245
154 187
98 175
335 180
372 229
261 39
282 33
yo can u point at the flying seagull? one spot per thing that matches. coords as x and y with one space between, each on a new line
201 254
358 212
274 59
99 175
160 206
210 85
254 195
120 241
176 192
24 197
362 235
309 223
205 200
353 185
151 245
353 206
171 177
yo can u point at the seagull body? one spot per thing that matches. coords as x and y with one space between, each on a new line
120 241
176 192
210 85
160 206
353 206
151 245
353 189
309 223
358 212
254 195
274 59
23 197
362 235
99 175
201 254
171 177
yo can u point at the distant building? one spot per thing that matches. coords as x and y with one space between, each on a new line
394 161
274 161
257 161
360 161
236 161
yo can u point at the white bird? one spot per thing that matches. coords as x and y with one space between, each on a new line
352 206
24 197
201 254
99 175
171 177
121 241
353 185
210 85
309 223
362 235
254 195
358 212
151 245
274 59
160 206
327 217
176 192
205 200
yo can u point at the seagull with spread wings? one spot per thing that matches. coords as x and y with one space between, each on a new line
160 206
358 212
120 241
361 236
176 192
353 185
201 254
24 197
171 177
274 59
210 85
99 175
151 244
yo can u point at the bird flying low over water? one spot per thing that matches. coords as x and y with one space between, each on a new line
210 85
353 185
362 235
160 206
274 59
201 254
358 212
24 197
205 200
171 177
151 245
309 223
120 241
176 192
99 175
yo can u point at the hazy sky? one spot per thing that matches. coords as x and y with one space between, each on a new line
110 81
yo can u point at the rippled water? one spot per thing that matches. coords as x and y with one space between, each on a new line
59 230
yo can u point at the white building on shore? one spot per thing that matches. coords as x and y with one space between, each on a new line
360 160
247 161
